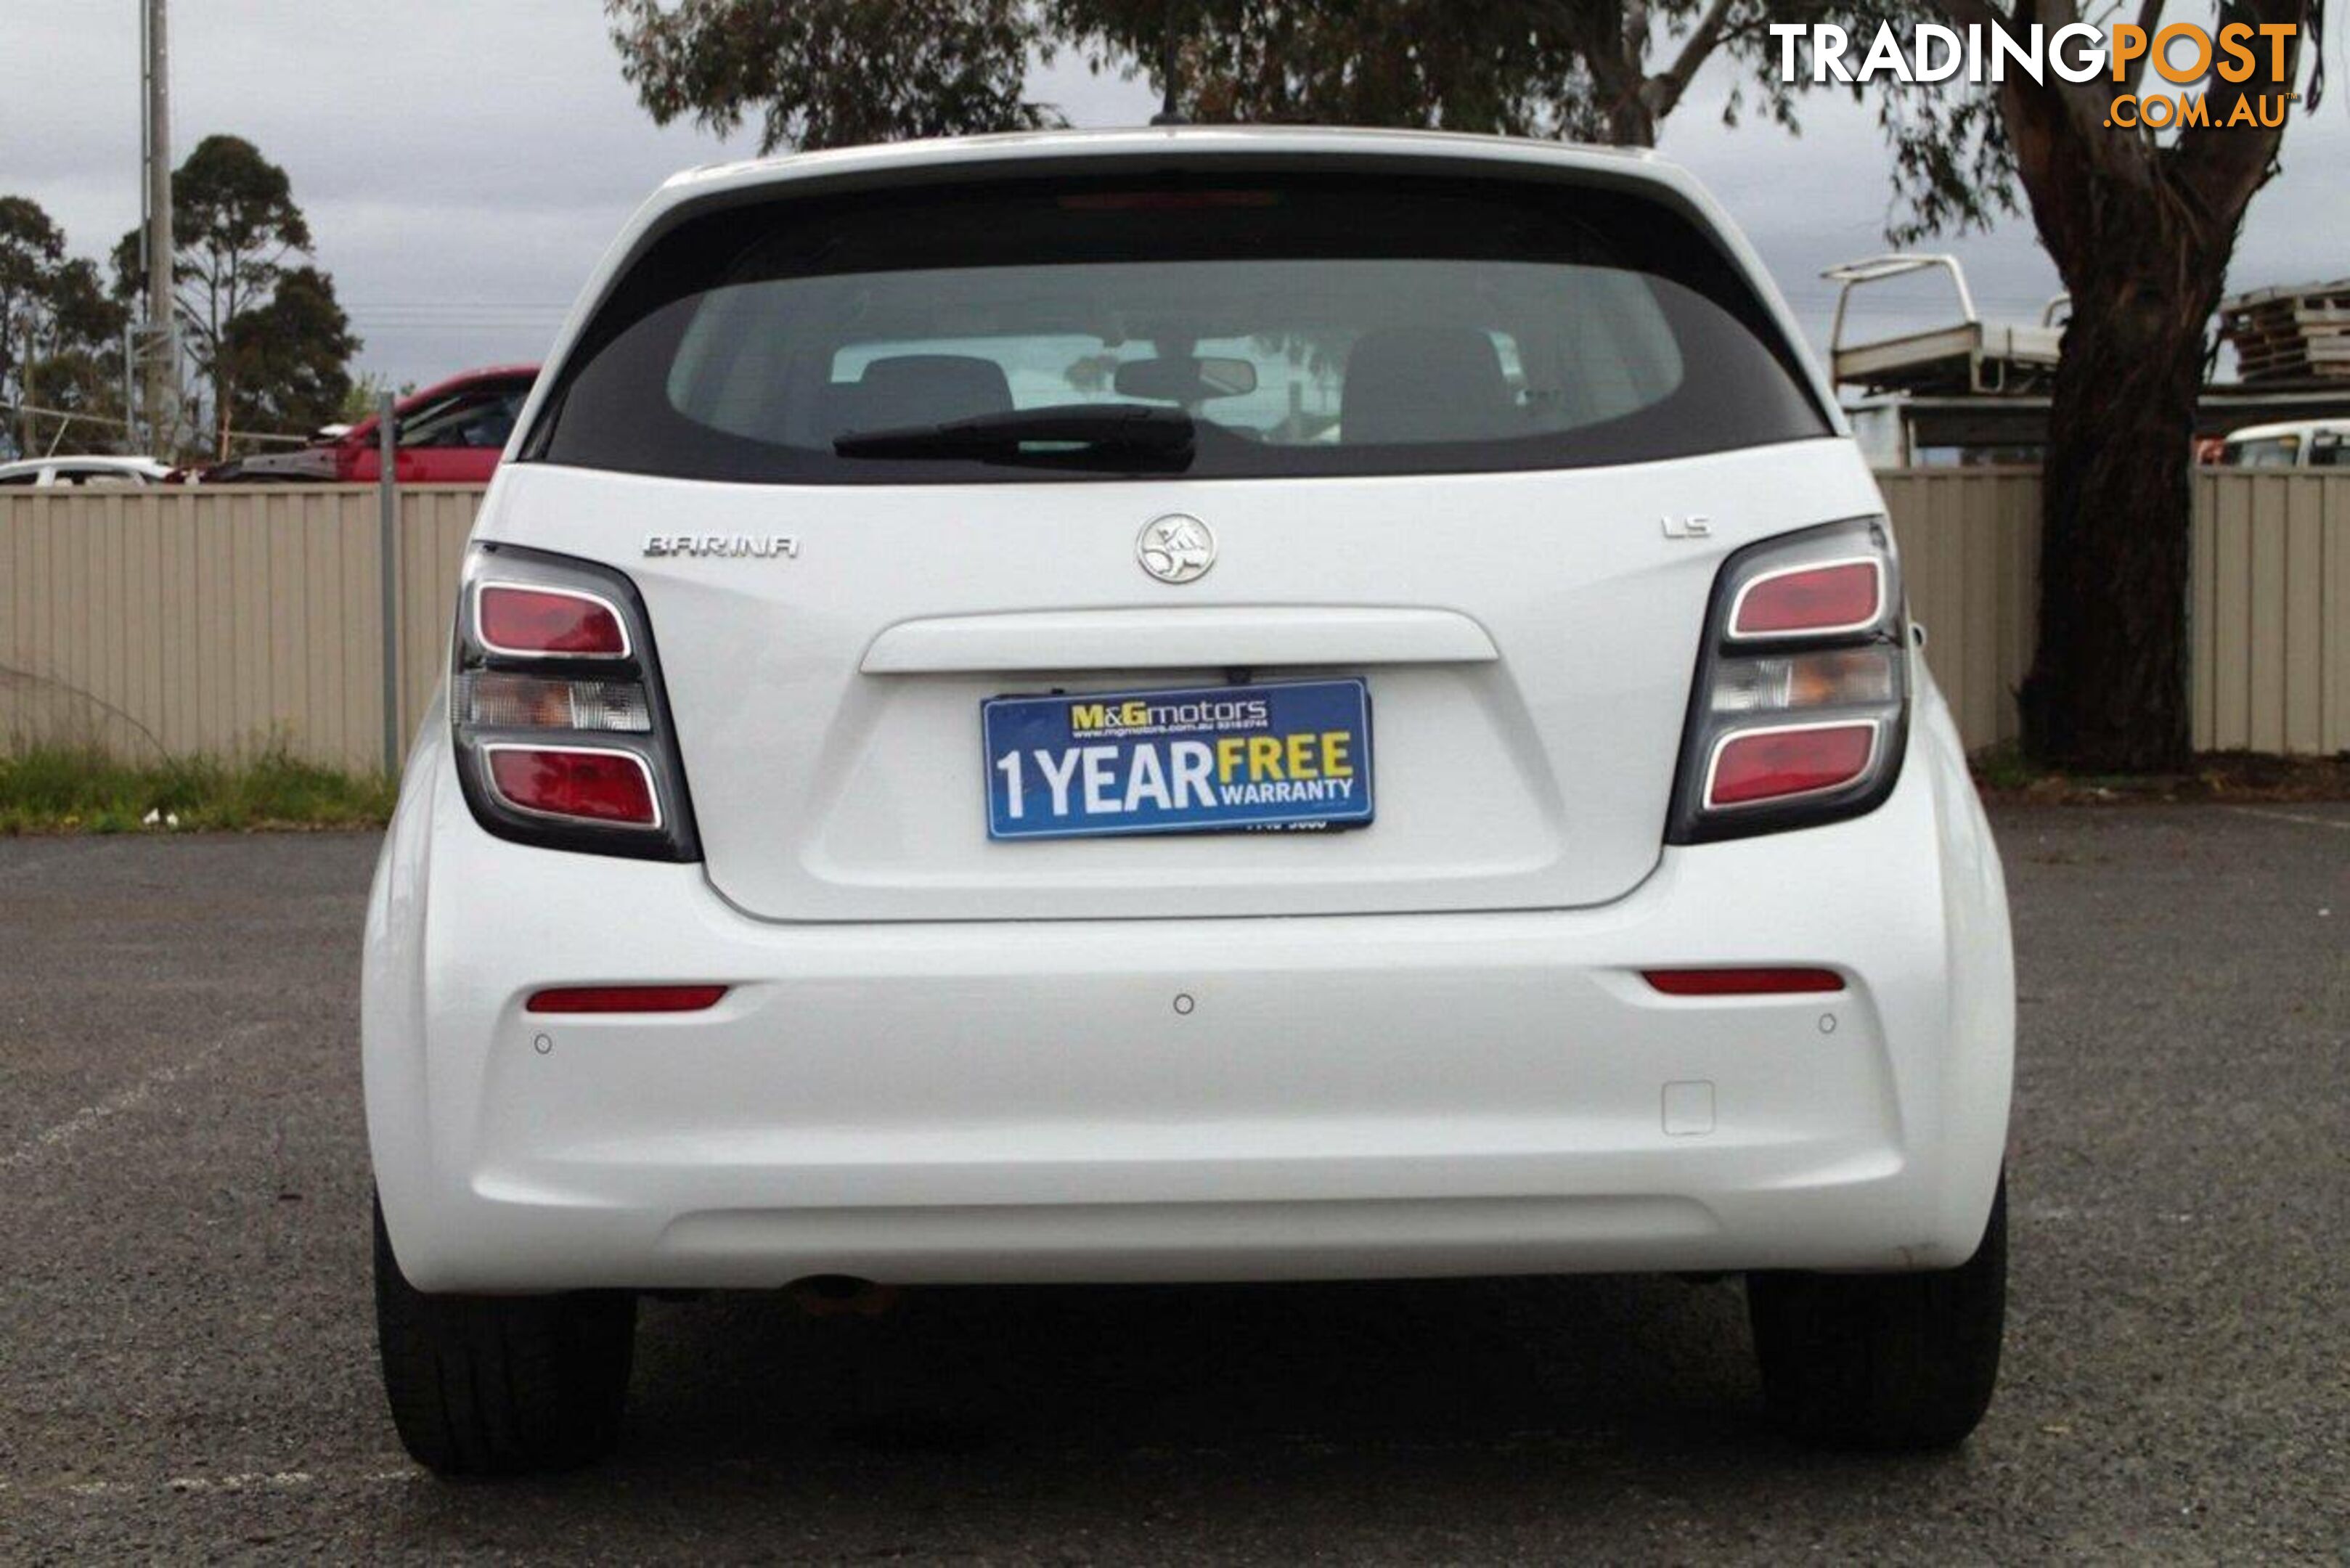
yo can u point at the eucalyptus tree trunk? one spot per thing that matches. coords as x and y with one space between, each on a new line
2141 231
2107 690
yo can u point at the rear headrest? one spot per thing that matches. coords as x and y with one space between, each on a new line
925 389
1425 384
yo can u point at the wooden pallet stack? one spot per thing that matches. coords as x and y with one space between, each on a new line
2297 333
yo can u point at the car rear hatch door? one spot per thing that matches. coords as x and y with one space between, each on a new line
1526 641
1474 437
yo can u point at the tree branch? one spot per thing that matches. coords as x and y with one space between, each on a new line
1662 91
2150 19
2217 167
1601 39
1971 13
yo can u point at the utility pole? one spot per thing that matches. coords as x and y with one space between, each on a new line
130 387
162 358
386 545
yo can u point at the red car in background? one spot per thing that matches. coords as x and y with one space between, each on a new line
449 434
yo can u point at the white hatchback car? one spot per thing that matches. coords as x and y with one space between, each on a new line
93 472
1183 704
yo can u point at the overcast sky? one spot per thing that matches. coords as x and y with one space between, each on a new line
463 162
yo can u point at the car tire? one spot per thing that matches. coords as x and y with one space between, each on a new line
502 1385
1888 1361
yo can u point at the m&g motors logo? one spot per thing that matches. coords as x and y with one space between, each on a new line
2244 54
1134 717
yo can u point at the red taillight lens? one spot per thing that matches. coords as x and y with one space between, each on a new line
1772 764
549 622
589 785
1742 981
1844 595
626 999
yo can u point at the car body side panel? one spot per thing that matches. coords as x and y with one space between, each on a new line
1979 949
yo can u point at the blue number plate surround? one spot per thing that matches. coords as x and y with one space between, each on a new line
1287 756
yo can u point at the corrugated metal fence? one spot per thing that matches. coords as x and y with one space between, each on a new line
177 621
2268 611
172 621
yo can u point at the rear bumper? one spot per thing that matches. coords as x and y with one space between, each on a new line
1350 1096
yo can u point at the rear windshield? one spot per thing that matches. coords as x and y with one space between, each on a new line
1308 326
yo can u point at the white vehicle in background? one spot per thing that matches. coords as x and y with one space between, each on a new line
49 472
2292 443
1186 705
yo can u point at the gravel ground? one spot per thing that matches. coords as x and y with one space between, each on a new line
186 1354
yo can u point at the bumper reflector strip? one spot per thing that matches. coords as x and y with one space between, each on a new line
1742 981
626 999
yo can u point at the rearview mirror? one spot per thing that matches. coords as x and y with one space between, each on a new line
1184 379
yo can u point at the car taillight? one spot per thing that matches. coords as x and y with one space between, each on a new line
1799 759
547 623
1802 700
1799 601
575 782
562 731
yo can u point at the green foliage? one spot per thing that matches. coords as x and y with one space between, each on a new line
84 315
827 72
230 200
52 789
365 399
831 72
262 332
291 357
1953 172
31 247
60 335
77 365
32 250
2005 767
234 221
1508 68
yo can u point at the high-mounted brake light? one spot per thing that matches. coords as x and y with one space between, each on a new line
556 708
1808 727
1164 201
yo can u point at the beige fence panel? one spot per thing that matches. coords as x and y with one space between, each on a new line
1970 543
433 524
2271 611
2268 611
217 620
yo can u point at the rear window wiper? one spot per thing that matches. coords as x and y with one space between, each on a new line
1068 432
